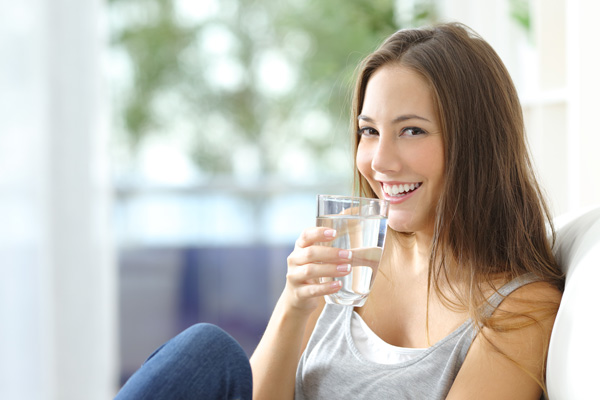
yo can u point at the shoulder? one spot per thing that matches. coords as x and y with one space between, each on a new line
507 358
521 325
536 301
537 291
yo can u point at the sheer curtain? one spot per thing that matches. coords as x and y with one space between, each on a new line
57 276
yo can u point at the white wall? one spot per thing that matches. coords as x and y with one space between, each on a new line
583 87
57 276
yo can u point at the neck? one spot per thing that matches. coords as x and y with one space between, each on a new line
408 253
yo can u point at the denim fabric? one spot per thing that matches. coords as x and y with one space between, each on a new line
202 362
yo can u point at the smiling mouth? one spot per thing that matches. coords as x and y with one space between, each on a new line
401 189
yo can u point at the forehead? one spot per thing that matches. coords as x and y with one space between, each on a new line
398 89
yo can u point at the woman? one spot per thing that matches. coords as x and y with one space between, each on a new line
468 289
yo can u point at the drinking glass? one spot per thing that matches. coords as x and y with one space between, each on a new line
361 225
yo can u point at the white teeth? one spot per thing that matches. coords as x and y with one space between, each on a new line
394 190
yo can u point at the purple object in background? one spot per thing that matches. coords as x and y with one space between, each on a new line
164 290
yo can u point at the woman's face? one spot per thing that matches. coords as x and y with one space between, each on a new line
400 152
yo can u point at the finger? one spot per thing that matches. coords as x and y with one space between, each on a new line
319 289
314 235
319 255
313 272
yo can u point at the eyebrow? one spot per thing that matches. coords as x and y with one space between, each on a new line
400 118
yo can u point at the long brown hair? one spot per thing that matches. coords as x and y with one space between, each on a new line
492 220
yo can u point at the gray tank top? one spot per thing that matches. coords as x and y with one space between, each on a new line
331 367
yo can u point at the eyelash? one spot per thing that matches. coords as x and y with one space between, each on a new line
364 131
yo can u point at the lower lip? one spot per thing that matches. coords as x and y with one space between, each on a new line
399 199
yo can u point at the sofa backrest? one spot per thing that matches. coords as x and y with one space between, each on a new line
573 370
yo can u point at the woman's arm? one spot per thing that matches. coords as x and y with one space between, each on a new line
488 374
276 357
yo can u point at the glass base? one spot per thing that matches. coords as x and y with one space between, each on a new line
357 301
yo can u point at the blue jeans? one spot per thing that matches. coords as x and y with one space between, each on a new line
202 362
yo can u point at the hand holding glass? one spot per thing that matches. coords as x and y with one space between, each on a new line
361 225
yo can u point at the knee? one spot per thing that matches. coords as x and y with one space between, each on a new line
212 347
202 359
210 340
207 334
204 330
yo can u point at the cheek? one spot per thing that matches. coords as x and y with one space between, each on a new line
432 163
429 158
437 164
363 160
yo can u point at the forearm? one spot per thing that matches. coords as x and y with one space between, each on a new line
276 357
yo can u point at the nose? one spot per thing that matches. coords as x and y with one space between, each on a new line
385 156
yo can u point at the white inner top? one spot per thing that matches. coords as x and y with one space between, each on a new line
375 349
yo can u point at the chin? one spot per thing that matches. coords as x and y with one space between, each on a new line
409 224
399 226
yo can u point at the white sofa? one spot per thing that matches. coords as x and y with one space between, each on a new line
573 370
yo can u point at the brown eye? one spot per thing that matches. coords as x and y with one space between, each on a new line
412 131
367 132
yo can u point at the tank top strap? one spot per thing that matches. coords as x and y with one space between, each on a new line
494 300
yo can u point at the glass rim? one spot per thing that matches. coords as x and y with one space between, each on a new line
351 198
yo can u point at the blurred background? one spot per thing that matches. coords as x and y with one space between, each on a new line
159 158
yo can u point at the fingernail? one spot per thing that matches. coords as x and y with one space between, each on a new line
345 254
330 233
344 267
336 284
